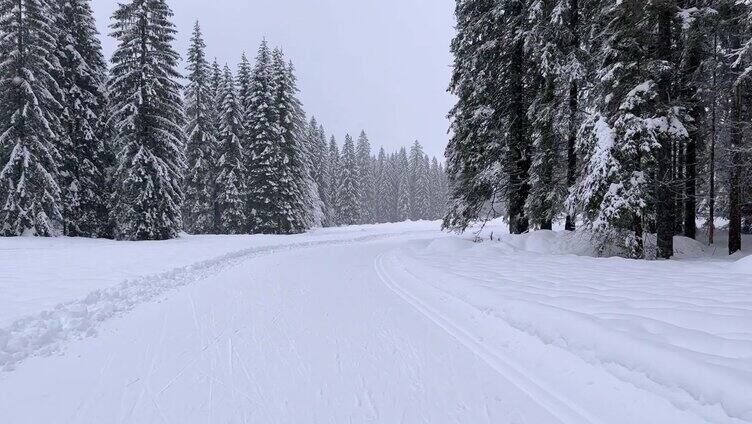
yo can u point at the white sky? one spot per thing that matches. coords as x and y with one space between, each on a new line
378 65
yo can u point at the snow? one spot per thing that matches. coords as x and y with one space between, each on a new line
391 323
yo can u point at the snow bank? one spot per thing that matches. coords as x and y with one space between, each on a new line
743 265
447 245
682 329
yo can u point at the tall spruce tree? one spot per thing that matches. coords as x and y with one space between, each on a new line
198 208
383 210
244 83
348 193
83 176
319 166
302 197
437 190
366 180
489 153
401 183
231 170
335 172
265 157
148 120
29 109
419 191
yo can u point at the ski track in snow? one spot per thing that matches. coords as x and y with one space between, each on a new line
547 398
659 327
47 332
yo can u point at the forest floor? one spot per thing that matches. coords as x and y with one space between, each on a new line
395 323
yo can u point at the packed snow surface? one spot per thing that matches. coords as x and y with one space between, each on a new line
387 324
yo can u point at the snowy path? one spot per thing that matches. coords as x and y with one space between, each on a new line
405 327
324 341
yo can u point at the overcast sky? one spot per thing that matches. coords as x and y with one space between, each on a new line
378 65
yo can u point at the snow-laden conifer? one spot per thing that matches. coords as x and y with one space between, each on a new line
231 171
84 153
334 178
198 208
148 120
264 155
30 131
366 180
348 193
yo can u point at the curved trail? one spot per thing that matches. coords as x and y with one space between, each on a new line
337 331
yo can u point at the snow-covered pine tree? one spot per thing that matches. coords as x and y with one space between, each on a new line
303 198
555 73
348 192
148 120
199 208
427 214
437 194
489 154
320 166
383 210
83 173
622 138
244 83
231 172
366 180
419 191
401 186
29 109
215 94
335 173
264 156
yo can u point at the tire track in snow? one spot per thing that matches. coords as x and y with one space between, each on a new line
47 332
554 403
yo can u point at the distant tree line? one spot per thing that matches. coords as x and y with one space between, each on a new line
127 152
631 117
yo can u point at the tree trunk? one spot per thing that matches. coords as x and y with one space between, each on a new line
735 189
690 184
519 149
665 206
574 93
711 194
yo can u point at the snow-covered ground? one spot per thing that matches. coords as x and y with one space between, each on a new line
388 324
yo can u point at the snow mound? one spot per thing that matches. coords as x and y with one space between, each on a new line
551 243
680 329
743 265
687 248
448 245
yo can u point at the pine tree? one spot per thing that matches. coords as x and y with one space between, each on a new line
489 153
83 176
383 210
348 193
216 79
418 174
231 171
264 161
437 190
366 180
244 82
625 188
148 120
320 166
302 198
335 172
401 186
29 109
198 208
